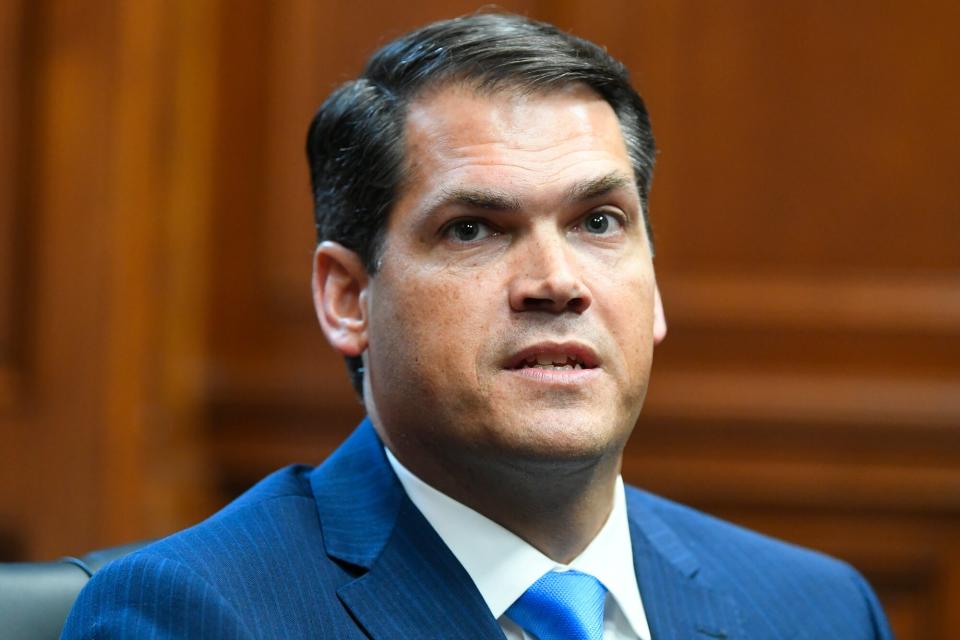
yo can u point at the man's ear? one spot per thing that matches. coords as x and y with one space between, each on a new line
659 317
340 297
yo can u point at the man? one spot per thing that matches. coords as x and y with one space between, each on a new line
485 265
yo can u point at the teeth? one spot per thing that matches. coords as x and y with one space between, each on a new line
552 361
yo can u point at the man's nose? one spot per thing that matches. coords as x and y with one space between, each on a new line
548 278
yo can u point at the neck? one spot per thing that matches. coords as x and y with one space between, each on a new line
557 507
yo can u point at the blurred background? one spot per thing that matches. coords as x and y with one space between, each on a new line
158 348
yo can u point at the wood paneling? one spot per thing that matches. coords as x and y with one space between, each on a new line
12 223
107 216
158 348
14 305
60 436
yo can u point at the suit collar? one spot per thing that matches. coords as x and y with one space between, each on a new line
678 603
417 589
358 498
413 586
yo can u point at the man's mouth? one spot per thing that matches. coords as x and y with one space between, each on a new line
552 361
568 356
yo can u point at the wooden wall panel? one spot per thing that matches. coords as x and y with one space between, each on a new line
841 115
11 24
98 449
57 464
11 266
158 349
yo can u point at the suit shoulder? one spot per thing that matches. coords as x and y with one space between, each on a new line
276 516
704 532
710 537
290 481
806 589
143 594
244 567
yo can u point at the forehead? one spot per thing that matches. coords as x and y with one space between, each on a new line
529 141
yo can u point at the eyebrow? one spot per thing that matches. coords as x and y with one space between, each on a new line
589 189
496 200
479 199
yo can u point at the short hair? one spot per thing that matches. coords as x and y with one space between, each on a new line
355 143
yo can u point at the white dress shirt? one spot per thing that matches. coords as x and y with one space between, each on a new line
503 566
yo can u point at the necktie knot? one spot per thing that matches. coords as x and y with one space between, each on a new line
562 605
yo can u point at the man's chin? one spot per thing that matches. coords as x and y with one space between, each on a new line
545 439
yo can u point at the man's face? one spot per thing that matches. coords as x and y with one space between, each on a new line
512 314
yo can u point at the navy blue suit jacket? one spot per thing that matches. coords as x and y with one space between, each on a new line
339 551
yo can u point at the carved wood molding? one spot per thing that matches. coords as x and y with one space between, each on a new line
895 302
811 398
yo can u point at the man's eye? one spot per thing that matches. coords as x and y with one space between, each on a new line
601 222
467 231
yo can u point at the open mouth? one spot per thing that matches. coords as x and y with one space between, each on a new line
555 361
555 357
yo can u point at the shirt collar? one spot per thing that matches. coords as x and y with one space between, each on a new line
503 565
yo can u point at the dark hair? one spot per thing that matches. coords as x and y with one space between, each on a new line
355 144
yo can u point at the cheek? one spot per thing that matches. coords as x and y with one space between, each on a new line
629 309
442 334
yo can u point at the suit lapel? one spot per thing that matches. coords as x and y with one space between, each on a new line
410 585
417 589
678 605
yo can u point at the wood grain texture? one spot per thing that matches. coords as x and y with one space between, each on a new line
158 347
12 223
100 450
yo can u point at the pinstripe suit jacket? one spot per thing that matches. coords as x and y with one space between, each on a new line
340 552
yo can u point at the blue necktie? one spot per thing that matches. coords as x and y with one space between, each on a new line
564 605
